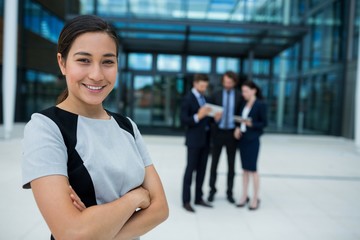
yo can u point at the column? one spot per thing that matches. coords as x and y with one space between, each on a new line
357 100
283 70
250 65
9 64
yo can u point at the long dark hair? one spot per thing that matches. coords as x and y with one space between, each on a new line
252 85
74 28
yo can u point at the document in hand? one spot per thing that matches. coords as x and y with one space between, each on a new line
241 119
214 109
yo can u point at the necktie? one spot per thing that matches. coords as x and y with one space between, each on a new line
226 112
202 100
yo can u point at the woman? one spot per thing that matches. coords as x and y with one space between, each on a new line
115 191
253 121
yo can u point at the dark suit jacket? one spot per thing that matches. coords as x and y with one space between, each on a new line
217 99
196 133
259 120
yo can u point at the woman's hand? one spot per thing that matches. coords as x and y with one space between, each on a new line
248 123
76 200
142 196
237 133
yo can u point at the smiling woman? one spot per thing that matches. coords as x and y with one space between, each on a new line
90 69
110 184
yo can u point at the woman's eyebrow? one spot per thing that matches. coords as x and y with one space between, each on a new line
109 55
88 54
82 53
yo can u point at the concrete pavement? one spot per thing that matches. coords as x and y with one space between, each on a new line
310 189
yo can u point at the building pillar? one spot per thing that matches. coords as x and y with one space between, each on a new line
357 100
283 72
250 65
9 64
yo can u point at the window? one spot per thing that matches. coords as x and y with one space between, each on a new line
140 61
227 64
199 64
169 63
260 67
42 22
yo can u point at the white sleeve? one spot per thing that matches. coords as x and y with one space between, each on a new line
44 152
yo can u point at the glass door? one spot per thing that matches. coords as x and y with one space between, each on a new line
142 101
154 100
167 92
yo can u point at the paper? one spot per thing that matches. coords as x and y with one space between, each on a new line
214 109
241 119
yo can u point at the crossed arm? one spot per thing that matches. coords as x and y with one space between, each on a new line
114 220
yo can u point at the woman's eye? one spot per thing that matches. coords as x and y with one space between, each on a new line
83 60
108 62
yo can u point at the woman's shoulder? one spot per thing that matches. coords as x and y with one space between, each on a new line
124 122
40 120
41 128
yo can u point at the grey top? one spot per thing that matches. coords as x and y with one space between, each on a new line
114 160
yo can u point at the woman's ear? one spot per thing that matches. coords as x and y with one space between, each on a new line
61 62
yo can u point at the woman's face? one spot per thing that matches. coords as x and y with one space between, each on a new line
248 93
90 68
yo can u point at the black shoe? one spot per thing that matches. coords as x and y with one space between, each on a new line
211 197
188 207
257 206
204 204
244 203
231 199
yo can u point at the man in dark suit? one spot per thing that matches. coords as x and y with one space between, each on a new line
230 99
194 118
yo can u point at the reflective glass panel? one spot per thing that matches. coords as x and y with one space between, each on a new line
227 64
167 62
198 64
140 61
143 99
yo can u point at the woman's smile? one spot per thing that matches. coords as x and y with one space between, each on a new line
94 88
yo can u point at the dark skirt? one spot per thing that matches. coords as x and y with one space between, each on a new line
249 151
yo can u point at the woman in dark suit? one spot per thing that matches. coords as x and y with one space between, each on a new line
253 121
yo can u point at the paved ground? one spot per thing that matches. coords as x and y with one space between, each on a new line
310 189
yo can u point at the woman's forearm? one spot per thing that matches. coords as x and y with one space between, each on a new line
105 221
158 211
143 221
97 222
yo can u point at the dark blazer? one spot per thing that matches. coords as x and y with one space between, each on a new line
217 99
196 133
259 120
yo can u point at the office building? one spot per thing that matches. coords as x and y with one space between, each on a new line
303 54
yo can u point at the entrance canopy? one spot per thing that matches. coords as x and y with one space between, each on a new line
204 27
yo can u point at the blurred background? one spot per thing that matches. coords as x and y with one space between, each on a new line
303 54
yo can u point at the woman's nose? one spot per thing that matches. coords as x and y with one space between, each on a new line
96 73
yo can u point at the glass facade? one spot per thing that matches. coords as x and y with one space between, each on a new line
169 63
140 61
38 85
39 91
1 7
198 64
41 21
302 66
224 64
356 30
